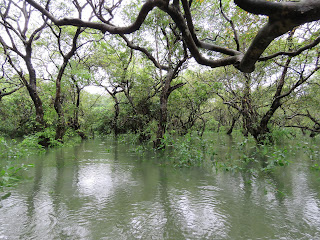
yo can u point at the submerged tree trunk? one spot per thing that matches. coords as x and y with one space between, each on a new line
61 126
75 122
162 123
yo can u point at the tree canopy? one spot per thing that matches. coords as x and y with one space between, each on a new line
282 17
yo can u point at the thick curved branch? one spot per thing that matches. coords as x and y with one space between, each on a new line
264 37
178 85
282 18
296 11
4 93
146 8
178 18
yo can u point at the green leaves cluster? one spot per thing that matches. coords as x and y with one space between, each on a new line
11 154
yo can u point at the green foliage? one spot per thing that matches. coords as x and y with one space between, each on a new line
10 155
315 167
190 150
187 151
16 115
33 141
312 151
279 135
252 158
274 158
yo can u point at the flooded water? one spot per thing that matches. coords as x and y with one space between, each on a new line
100 190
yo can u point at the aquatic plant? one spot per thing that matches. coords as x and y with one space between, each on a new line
10 154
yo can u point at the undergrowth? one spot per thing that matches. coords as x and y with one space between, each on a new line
223 153
11 154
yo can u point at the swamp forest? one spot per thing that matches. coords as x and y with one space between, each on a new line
159 119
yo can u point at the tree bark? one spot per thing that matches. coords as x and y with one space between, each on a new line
61 125
166 90
32 89
163 116
233 123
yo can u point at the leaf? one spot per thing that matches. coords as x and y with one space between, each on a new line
5 196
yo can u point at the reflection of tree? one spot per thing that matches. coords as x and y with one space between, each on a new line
170 227
37 183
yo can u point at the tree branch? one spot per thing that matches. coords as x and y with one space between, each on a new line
293 53
144 51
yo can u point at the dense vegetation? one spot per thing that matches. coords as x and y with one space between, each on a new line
150 85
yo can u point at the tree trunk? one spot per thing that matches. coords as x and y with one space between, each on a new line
163 116
32 89
116 116
162 124
38 106
76 124
60 128
234 120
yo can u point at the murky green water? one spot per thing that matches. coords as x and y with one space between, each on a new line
99 190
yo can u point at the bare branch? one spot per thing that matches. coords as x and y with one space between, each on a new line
236 39
144 51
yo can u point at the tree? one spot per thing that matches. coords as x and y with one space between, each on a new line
17 42
303 112
60 130
113 74
171 57
166 52
190 105
258 96
282 17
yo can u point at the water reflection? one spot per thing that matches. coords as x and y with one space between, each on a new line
92 192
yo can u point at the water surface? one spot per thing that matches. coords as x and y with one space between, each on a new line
100 190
